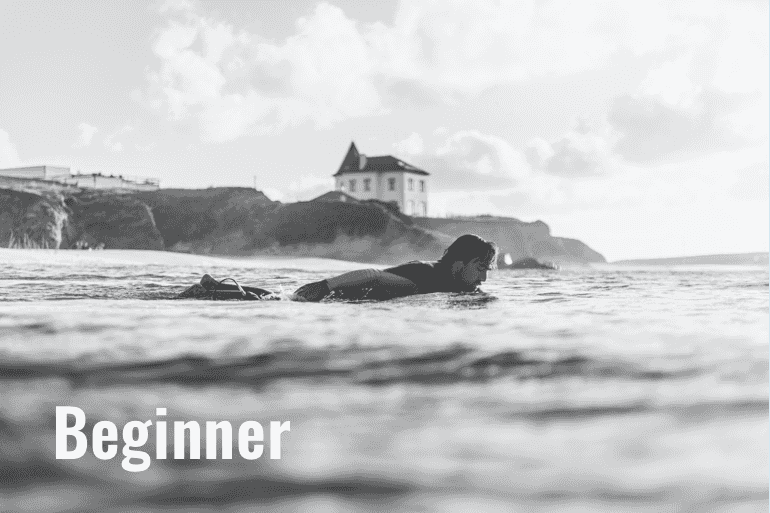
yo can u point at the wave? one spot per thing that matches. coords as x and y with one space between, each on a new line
357 366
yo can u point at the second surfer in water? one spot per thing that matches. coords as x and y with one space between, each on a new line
462 268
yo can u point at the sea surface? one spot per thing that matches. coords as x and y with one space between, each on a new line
604 388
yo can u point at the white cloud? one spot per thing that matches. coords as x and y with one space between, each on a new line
562 182
145 147
86 135
233 82
412 145
175 5
441 130
484 154
742 54
671 84
9 157
578 153
239 83
110 142
705 92
673 116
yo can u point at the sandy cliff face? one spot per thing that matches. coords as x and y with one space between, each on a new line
47 215
242 221
29 219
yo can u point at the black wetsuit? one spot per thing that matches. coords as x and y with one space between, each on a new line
428 276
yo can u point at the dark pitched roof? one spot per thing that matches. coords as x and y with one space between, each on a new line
355 162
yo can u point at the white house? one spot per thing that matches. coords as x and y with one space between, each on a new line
384 178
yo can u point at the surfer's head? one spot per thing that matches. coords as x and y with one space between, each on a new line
469 258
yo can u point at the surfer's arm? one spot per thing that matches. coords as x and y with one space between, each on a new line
359 283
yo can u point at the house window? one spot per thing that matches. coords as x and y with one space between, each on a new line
352 186
410 207
341 186
424 209
391 184
422 185
367 183
410 184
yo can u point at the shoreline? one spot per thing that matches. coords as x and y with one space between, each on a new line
149 256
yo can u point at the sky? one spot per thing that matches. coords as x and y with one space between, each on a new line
640 128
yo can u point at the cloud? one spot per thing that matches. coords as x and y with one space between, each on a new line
470 45
569 178
146 147
709 93
742 54
412 145
238 83
110 142
751 183
86 135
484 154
232 82
578 153
468 159
8 155
653 130
175 5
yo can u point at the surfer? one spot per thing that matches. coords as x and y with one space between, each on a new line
462 268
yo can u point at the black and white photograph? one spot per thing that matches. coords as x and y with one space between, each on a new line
325 256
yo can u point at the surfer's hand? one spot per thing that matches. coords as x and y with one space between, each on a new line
313 291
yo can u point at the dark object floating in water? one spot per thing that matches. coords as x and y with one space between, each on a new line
249 294
531 263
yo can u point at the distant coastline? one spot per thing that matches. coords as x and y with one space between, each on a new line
722 259
239 221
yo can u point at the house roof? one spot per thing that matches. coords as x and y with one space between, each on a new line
355 162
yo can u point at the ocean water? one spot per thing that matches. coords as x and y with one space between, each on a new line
607 389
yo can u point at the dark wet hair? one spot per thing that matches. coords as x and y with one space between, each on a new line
469 246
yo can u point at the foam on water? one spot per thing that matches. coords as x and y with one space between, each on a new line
608 389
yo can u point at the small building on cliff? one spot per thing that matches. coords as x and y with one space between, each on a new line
87 181
100 181
384 178
51 173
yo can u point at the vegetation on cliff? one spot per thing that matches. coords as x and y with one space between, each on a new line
243 221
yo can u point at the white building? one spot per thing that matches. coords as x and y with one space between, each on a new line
100 181
90 181
384 178
37 172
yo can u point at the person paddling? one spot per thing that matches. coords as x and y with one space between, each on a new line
462 268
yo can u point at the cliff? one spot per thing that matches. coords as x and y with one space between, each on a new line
29 219
759 259
243 221
518 238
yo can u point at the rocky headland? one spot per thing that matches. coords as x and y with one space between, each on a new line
243 221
